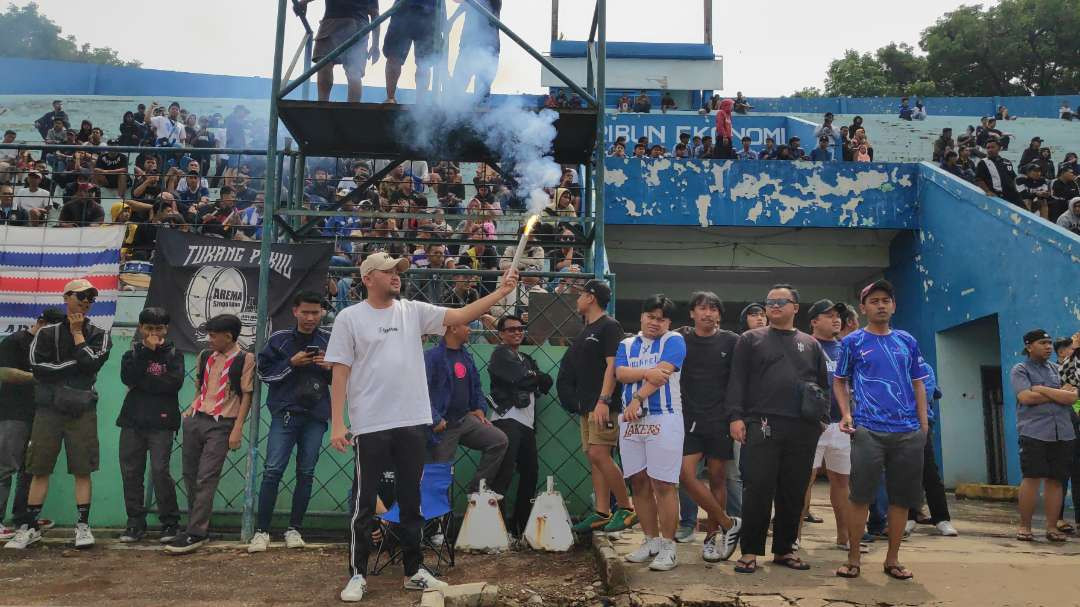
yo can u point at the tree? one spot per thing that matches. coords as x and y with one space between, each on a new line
810 92
1017 47
32 35
856 75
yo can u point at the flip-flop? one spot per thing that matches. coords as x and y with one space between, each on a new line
742 566
1056 536
852 572
1025 536
810 518
897 571
791 562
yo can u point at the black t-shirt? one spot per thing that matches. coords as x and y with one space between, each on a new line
705 374
350 9
16 400
588 354
112 161
82 213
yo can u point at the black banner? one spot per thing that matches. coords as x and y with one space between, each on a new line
196 278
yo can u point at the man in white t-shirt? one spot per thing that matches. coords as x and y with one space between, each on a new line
651 431
34 199
378 359
168 127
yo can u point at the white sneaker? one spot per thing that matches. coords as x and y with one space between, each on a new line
6 533
83 537
665 559
423 580
946 528
649 548
24 536
293 539
259 542
709 551
909 527
437 539
729 540
354 590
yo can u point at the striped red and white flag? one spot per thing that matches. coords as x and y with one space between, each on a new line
36 263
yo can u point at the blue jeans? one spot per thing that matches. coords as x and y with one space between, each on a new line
289 430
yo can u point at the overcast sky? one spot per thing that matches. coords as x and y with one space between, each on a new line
770 47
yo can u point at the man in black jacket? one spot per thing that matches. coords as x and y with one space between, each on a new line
516 382
772 367
17 414
153 371
66 358
291 364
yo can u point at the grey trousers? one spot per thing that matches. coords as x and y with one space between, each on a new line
134 447
14 436
206 444
472 433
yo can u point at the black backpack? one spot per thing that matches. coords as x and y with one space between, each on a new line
236 371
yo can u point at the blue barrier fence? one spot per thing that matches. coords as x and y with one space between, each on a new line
1024 107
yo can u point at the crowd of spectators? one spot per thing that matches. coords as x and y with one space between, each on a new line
1042 186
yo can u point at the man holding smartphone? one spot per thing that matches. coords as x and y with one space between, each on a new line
292 365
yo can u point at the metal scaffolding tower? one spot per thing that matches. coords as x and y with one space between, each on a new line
361 129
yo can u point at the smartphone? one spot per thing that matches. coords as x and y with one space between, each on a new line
312 350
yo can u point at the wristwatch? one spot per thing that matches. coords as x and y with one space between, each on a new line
637 398
604 399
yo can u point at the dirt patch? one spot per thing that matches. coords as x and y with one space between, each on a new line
51 574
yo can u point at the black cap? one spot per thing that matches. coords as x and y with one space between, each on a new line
600 290
1039 139
823 138
877 285
750 307
1070 168
1032 165
824 305
684 134
52 316
1035 335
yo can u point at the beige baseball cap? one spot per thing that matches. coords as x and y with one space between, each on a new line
382 262
78 286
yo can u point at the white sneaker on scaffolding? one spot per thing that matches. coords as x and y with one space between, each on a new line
649 548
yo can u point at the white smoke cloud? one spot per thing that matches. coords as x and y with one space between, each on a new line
520 137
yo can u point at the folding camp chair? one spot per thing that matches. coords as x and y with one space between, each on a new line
435 484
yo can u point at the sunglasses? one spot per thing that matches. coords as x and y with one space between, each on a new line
518 329
779 302
85 296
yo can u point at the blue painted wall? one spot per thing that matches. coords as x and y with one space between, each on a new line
760 193
1024 107
59 78
975 257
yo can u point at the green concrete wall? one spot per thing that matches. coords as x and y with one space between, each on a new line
558 439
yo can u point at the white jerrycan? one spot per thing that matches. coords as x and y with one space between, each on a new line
483 529
549 522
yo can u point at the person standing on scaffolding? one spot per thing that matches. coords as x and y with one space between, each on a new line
342 19
478 55
413 25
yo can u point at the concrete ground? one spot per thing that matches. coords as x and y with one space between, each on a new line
985 566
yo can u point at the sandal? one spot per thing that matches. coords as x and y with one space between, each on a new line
897 572
810 518
743 566
1056 536
1066 527
791 562
849 571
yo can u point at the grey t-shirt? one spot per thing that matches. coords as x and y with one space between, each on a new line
1048 421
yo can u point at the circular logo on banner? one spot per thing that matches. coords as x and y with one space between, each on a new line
459 370
214 290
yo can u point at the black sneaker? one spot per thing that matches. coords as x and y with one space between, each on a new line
169 533
133 533
185 544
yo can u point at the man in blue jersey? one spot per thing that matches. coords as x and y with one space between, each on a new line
882 369
651 429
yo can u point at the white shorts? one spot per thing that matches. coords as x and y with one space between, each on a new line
653 444
834 450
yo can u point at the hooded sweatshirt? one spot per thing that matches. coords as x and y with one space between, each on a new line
1070 219
154 378
723 119
553 208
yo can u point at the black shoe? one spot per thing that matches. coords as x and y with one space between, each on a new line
133 533
169 533
185 544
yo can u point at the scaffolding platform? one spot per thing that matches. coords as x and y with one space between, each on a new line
374 130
